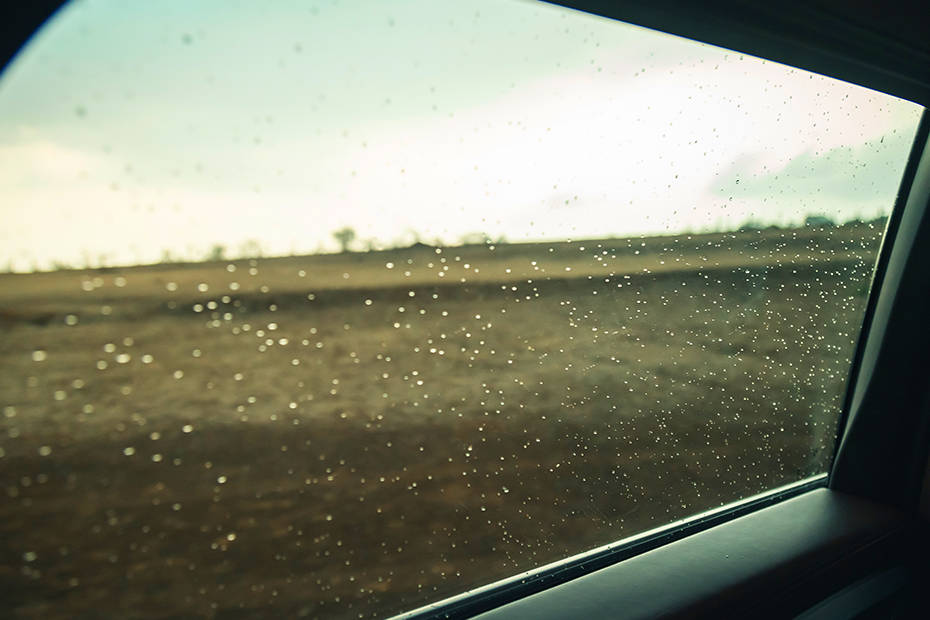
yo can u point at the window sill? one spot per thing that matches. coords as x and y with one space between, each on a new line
779 560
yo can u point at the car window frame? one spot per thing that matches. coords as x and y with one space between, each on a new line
780 35
861 517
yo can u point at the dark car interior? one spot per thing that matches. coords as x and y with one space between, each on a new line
855 543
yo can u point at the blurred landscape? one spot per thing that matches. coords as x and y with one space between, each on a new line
357 434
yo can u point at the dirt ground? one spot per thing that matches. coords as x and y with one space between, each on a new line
357 435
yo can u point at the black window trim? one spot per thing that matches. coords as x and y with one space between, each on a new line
484 598
775 562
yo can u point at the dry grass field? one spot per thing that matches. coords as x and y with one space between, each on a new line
355 435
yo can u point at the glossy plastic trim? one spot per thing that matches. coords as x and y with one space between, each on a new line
488 597
772 563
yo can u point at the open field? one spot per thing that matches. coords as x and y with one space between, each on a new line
355 435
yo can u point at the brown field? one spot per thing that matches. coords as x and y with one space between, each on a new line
329 437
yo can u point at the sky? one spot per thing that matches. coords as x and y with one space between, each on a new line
133 131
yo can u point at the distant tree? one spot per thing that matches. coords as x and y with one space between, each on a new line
250 248
414 235
819 221
344 236
217 252
751 224
474 238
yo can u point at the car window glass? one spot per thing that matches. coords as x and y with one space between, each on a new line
335 309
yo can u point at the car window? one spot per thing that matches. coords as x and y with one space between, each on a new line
328 309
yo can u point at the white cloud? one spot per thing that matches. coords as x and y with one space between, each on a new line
631 133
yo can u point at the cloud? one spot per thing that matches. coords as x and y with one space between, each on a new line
856 174
41 162
537 123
